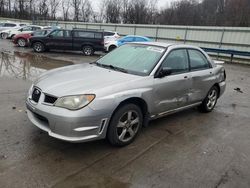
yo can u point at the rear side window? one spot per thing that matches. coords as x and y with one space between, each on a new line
108 34
197 60
98 35
85 34
177 60
36 28
10 25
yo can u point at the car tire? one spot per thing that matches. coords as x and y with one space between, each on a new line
125 125
210 101
88 50
4 35
38 47
21 42
112 47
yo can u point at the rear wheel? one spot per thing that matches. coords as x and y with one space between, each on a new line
88 50
38 47
125 125
111 48
210 101
21 42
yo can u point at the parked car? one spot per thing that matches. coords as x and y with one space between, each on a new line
22 39
119 93
10 33
110 35
87 41
112 44
9 25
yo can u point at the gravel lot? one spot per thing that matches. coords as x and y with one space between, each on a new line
188 149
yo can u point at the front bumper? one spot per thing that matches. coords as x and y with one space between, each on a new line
72 126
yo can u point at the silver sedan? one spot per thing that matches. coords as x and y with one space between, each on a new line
119 93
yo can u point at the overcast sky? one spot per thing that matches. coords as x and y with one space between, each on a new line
161 3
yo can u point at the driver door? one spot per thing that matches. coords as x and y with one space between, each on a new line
172 91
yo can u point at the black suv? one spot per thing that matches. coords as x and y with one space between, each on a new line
87 41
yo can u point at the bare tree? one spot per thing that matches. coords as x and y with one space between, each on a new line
87 11
76 9
43 9
53 8
65 8
113 11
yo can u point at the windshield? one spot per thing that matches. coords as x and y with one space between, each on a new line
133 58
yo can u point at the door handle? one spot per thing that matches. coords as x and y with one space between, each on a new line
185 77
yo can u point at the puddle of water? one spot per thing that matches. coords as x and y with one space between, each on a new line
27 66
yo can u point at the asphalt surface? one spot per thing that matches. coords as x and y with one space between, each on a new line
188 149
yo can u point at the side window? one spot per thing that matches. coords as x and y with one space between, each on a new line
67 33
85 34
26 29
128 39
10 25
98 35
177 60
57 33
36 28
108 33
197 60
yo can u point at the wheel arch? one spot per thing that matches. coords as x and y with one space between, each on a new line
218 87
35 41
112 45
141 103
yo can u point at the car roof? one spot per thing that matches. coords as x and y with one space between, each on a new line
166 45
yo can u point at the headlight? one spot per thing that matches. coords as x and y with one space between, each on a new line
74 102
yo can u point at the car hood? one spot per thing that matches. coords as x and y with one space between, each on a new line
82 79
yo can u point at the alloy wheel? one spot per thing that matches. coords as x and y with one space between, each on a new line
128 126
21 42
212 98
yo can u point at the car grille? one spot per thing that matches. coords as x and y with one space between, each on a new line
36 95
50 99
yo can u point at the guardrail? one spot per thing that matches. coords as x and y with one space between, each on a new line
233 40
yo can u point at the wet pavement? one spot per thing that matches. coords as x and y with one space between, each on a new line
188 149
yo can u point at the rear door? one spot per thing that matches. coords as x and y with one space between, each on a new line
172 91
202 75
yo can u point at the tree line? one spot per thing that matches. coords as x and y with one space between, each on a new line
182 12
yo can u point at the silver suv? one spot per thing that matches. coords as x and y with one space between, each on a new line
122 91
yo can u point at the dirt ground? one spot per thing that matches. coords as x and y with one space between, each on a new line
188 149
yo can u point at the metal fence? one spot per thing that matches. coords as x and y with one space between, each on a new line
226 38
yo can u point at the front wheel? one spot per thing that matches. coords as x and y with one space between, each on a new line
210 101
21 42
125 125
88 50
4 35
38 47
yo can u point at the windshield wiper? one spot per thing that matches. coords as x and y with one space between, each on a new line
110 67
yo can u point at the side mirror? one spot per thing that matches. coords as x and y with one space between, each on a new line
165 71
50 36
